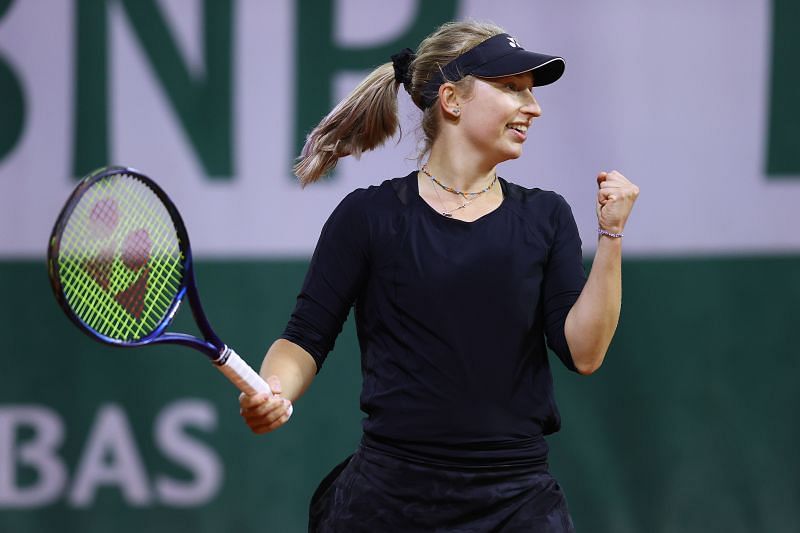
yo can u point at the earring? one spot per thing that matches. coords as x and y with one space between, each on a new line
456 111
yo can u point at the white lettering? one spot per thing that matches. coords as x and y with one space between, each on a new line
38 453
31 437
110 458
199 459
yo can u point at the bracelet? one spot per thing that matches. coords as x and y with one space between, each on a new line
601 231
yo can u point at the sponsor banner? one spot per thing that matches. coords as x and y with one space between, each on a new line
688 422
691 100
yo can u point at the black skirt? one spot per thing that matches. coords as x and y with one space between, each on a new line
374 492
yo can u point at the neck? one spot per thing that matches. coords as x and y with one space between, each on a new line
463 173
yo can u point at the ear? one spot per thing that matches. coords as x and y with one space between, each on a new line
449 101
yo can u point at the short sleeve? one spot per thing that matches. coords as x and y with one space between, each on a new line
335 277
564 278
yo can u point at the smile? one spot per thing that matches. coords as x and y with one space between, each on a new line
520 129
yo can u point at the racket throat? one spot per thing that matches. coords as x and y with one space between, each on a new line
223 356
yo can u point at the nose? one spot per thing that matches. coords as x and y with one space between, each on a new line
531 106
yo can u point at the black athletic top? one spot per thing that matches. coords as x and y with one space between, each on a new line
451 317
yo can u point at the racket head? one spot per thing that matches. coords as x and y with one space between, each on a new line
119 258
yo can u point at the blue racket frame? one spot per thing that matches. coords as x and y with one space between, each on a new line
210 345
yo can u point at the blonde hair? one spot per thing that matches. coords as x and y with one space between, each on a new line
368 116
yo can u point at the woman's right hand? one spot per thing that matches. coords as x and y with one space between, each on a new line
264 413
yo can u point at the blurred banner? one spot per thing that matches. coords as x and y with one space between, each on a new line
690 424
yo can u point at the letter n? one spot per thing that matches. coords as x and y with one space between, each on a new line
202 103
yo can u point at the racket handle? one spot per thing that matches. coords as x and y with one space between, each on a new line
242 375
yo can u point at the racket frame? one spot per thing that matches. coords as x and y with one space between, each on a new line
227 361
210 345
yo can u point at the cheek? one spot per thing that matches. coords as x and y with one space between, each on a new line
491 116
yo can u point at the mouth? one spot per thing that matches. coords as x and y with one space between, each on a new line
520 129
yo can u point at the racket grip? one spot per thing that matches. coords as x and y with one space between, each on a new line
242 375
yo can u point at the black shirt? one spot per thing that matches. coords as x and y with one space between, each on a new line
451 317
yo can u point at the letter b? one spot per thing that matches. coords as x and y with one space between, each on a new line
37 453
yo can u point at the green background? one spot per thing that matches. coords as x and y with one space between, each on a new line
689 426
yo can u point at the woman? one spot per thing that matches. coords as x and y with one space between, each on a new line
459 280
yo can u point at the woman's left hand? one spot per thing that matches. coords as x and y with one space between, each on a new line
615 200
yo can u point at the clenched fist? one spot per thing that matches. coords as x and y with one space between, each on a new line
615 199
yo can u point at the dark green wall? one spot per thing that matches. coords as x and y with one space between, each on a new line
690 425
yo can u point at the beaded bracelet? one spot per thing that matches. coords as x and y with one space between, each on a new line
601 231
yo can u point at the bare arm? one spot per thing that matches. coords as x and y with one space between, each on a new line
591 322
294 367
289 370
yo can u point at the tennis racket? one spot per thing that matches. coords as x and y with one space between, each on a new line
120 264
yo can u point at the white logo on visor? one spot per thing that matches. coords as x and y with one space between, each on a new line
513 42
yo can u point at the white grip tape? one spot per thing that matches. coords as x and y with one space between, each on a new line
244 377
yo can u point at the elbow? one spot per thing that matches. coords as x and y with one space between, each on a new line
587 369
588 366
586 359
588 351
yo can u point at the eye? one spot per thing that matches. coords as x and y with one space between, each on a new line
517 87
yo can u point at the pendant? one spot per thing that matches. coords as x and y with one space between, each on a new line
448 215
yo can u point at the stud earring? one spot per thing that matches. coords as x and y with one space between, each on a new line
456 111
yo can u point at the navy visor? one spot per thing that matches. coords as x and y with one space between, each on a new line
496 57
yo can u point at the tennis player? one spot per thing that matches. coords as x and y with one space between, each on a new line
460 279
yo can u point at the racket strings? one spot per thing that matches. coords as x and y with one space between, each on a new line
120 259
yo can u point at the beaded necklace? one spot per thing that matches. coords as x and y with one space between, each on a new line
466 195
449 212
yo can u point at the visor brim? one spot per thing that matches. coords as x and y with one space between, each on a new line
546 69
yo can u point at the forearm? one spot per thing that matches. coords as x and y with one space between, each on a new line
591 322
293 365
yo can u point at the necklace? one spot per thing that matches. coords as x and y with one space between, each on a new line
470 196
449 212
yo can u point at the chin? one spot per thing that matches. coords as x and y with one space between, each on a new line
516 154
507 152
507 157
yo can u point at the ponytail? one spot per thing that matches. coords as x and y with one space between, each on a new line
368 116
359 123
